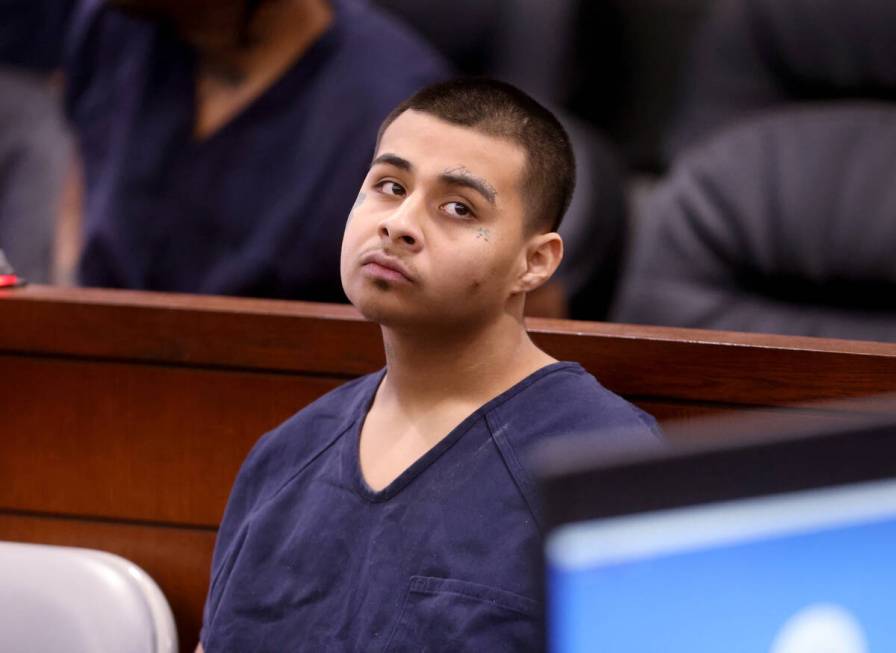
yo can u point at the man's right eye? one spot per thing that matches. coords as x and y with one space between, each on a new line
393 188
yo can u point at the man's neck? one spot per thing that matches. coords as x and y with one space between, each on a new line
425 368
231 77
278 33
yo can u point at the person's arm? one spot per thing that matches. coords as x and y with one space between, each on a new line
32 32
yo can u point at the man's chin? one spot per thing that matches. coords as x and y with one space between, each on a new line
404 313
399 318
393 319
380 311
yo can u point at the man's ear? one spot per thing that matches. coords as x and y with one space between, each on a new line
543 255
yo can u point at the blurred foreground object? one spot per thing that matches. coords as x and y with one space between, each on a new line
773 533
56 598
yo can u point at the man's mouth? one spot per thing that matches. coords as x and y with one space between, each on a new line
379 265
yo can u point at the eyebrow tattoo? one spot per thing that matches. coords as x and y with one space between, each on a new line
460 176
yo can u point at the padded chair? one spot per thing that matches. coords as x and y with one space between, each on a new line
784 224
756 55
71 600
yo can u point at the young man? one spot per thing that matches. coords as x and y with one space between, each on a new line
397 512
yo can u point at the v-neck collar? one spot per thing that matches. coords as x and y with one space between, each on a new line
280 92
353 442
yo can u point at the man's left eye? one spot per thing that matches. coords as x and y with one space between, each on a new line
456 208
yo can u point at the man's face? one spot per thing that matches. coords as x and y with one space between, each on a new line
436 237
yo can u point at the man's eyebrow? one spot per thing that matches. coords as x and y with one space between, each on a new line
393 160
460 176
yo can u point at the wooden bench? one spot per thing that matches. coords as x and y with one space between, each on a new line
124 416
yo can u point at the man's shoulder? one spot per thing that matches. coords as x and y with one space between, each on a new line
563 399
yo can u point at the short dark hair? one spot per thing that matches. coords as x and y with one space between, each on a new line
499 109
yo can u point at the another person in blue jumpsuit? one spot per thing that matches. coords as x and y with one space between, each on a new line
398 512
221 140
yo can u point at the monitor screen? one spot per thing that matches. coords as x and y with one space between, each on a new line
778 543
803 572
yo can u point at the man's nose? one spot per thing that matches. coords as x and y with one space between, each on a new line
402 226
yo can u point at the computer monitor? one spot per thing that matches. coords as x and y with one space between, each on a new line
785 544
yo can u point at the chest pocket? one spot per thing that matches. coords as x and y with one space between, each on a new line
441 614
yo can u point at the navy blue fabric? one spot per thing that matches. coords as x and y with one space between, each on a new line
309 558
258 208
32 32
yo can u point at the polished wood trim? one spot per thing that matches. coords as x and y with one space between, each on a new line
171 329
135 441
300 337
